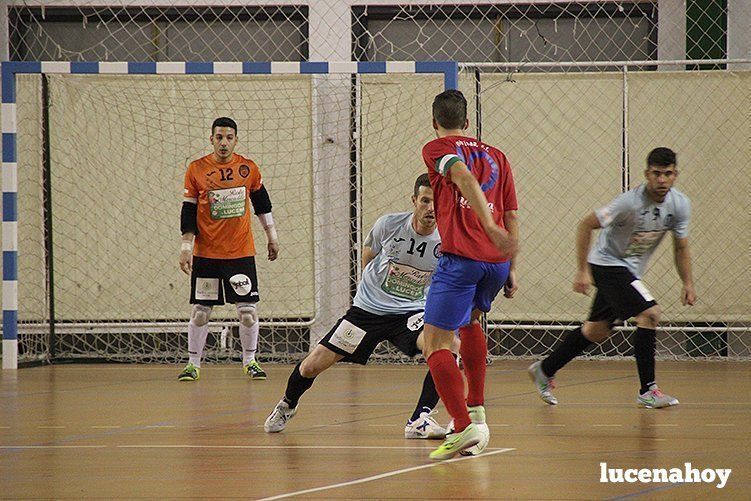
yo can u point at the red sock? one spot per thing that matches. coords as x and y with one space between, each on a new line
448 381
474 350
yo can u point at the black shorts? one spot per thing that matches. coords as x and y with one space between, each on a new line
213 281
620 295
358 332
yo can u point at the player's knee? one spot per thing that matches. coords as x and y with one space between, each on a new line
247 314
320 359
649 318
596 332
200 314
312 366
308 369
436 343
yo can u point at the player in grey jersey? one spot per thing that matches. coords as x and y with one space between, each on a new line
399 256
633 225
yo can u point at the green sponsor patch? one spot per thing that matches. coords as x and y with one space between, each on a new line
227 203
405 281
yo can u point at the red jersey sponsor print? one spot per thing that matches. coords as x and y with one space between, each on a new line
221 191
460 229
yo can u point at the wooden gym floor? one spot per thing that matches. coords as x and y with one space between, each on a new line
114 431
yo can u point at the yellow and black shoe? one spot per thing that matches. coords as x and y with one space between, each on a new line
253 369
189 373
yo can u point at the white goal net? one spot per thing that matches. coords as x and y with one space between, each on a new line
101 187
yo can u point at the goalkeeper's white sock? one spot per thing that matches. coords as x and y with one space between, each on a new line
196 341
249 341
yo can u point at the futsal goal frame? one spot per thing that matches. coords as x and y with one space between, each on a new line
11 69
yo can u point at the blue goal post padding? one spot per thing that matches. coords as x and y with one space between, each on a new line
449 69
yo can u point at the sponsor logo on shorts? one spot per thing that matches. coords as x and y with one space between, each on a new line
207 289
642 289
416 321
241 283
347 336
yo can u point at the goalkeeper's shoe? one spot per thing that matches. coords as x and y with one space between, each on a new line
278 418
253 369
477 415
189 373
457 442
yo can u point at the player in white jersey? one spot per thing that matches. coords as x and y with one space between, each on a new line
633 225
399 256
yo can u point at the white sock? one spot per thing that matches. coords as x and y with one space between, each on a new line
249 341
196 341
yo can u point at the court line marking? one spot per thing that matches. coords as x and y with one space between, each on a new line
500 425
52 446
494 450
625 404
383 475
356 404
715 403
399 404
336 447
723 425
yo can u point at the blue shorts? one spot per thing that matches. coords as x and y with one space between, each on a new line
460 285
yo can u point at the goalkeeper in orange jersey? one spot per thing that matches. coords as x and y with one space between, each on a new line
217 243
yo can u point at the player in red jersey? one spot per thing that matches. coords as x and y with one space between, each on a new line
475 206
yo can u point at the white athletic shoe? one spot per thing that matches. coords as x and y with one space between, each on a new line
477 415
424 427
656 399
278 418
543 384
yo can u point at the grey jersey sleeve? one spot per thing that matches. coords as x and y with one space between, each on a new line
620 207
376 235
683 217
